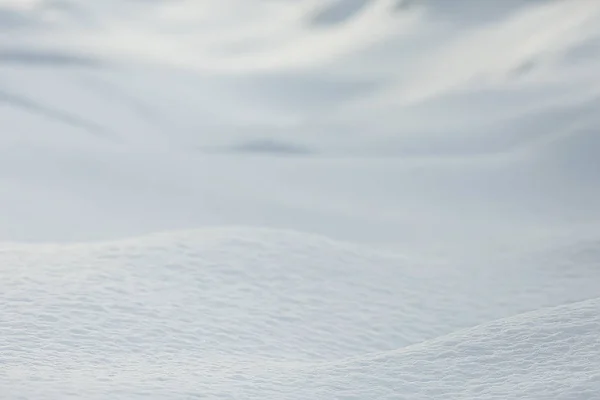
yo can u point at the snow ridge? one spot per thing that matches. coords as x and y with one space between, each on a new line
550 353
258 313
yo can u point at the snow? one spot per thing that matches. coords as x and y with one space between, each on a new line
299 200
551 353
225 313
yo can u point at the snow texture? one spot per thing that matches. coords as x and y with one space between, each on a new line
548 354
359 200
260 314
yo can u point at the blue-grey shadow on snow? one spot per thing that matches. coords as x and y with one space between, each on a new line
270 146
467 11
307 91
260 146
338 12
45 57
586 51
461 11
37 108
12 19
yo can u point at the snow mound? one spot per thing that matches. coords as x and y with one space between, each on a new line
240 313
548 354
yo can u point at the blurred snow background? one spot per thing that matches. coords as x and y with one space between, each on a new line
403 117
459 132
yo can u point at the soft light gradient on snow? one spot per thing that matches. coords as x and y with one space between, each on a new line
237 313
299 199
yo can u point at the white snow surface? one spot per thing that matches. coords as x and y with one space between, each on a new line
236 313
308 199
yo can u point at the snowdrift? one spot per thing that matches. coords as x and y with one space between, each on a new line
462 138
224 313
548 354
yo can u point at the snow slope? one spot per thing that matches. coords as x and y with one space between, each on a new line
551 353
416 182
248 313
